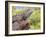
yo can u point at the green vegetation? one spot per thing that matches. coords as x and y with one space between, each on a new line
35 19
16 11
